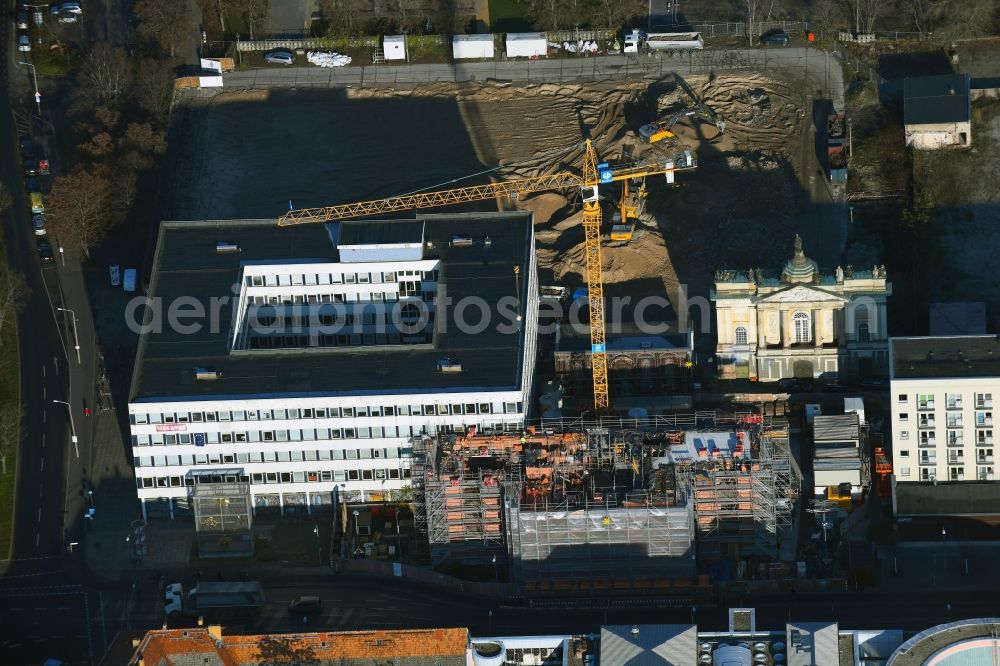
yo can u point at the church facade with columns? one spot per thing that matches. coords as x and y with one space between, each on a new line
801 322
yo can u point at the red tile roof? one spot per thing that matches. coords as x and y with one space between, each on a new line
160 647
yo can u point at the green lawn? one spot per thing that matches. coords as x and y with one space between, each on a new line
508 16
10 391
55 63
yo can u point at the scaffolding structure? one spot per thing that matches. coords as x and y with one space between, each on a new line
597 507
743 501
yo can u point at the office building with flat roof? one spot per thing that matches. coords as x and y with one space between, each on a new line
300 361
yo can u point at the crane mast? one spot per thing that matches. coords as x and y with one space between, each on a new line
588 181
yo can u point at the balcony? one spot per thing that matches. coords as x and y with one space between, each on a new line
954 423
957 477
984 404
956 442
927 423
984 441
984 423
931 460
984 460
986 476
925 406
954 405
928 443
953 460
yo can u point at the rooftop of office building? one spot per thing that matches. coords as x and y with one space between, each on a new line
945 357
484 255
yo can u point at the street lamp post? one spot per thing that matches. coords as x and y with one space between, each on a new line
496 571
76 337
62 255
319 548
34 77
72 425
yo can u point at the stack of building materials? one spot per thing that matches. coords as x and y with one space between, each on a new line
839 459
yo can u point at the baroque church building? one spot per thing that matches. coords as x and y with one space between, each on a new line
801 323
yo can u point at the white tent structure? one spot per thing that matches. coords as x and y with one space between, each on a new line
468 47
527 45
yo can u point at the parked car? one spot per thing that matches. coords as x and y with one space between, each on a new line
30 168
794 385
832 386
22 20
31 185
23 43
27 146
115 273
38 224
43 167
68 17
875 384
70 8
37 204
305 606
45 255
280 57
130 278
777 38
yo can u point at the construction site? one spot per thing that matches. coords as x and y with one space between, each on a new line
609 507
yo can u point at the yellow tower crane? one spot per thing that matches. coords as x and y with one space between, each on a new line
588 181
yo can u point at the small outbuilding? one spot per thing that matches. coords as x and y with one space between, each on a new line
937 111
470 47
394 47
527 45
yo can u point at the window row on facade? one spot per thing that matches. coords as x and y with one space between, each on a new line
929 438
315 279
454 409
299 435
951 400
925 420
983 473
262 478
407 290
930 457
249 457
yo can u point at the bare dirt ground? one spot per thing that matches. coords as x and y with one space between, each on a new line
247 154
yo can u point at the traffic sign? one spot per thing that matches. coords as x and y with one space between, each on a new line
38 98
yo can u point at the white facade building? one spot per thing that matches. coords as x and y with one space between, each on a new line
331 347
942 391
801 323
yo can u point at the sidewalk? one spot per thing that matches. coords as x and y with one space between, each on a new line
938 566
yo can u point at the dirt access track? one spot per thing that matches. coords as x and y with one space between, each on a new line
249 154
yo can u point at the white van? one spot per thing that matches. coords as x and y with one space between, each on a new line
129 281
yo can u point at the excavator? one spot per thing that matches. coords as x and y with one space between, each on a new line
593 174
661 131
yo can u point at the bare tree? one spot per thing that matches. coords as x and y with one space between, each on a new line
78 208
828 15
105 72
165 23
865 13
14 294
615 13
754 11
552 14
926 15
11 415
406 14
153 86
344 16
254 11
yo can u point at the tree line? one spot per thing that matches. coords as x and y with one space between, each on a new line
120 103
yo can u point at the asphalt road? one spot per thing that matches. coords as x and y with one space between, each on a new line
51 497
355 603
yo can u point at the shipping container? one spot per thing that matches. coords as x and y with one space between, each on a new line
468 47
675 41
394 47
527 45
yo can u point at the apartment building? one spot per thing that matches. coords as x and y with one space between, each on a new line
321 350
942 392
